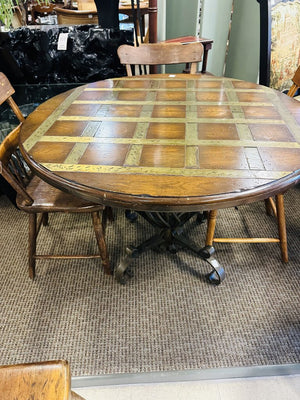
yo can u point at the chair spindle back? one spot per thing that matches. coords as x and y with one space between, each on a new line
160 54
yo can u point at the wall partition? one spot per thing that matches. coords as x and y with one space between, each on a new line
242 61
233 25
214 24
181 18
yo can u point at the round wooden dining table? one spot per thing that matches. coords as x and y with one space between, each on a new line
167 146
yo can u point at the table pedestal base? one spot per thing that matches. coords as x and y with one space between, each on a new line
169 237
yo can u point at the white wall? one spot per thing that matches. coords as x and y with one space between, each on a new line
243 55
215 20
180 18
161 20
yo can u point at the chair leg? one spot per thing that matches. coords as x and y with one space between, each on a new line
282 227
107 214
101 242
211 225
110 215
45 219
268 207
32 244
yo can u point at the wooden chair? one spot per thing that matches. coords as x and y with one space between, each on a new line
75 17
48 380
296 83
207 45
38 198
276 207
160 54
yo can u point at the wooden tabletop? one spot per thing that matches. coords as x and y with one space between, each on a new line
167 142
123 5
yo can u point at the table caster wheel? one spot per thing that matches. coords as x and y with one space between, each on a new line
217 275
122 273
206 252
131 251
122 278
214 278
172 249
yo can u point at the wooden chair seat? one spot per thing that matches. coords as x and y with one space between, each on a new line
46 196
48 380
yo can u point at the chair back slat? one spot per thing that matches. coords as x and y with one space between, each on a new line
22 166
160 54
13 167
16 109
10 178
19 169
6 91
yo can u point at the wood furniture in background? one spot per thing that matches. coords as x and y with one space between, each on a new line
41 9
49 380
167 146
38 198
137 17
75 17
33 9
146 7
86 5
160 54
279 42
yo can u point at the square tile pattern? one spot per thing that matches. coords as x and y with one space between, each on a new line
233 134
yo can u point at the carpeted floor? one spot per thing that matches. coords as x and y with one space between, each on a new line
167 317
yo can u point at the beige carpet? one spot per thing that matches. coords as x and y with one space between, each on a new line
167 317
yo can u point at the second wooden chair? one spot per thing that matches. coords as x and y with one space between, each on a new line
160 54
272 207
